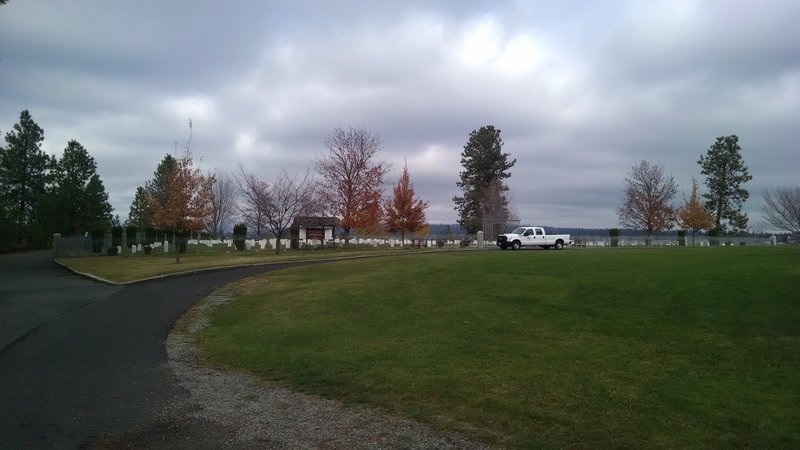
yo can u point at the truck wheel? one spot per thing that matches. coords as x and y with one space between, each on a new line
515 245
559 244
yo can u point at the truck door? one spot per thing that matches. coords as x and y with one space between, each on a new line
540 238
528 237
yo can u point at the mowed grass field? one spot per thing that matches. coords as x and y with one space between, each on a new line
667 347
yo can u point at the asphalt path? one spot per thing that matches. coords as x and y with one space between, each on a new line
83 364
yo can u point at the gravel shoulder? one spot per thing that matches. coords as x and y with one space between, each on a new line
258 415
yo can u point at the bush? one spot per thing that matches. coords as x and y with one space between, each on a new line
713 238
147 249
239 235
681 237
112 251
98 236
440 243
613 233
130 234
116 236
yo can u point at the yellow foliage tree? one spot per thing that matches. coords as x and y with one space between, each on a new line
693 215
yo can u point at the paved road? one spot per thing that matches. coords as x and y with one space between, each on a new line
83 365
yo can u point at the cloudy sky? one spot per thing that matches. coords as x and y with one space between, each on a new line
580 89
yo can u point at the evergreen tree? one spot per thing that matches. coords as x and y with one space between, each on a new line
139 214
24 174
484 165
79 199
158 188
725 173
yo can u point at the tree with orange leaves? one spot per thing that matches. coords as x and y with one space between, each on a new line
693 215
186 198
647 202
405 213
352 180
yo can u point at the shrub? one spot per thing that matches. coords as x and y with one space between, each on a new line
130 234
97 236
681 237
713 238
613 233
116 235
147 249
239 235
440 243
112 251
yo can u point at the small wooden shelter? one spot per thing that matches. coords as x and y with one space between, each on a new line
308 229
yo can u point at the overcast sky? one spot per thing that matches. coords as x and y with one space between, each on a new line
580 89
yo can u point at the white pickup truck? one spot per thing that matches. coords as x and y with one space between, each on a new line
532 236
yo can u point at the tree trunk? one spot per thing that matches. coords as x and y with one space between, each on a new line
177 247
278 243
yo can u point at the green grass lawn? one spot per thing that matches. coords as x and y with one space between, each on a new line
122 269
673 347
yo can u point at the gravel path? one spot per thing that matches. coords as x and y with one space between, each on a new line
261 416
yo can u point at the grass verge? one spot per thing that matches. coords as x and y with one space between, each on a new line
602 348
123 269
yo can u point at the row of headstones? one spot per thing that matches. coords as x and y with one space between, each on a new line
604 242
261 244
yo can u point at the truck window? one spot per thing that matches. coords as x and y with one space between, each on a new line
539 231
528 232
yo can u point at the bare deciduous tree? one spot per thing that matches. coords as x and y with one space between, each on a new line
288 197
251 190
781 208
221 205
352 180
647 203
494 213
277 204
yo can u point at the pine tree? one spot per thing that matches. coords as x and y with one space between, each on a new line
157 187
24 175
725 173
484 164
80 202
139 214
405 213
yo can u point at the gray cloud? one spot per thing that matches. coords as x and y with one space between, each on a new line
580 91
